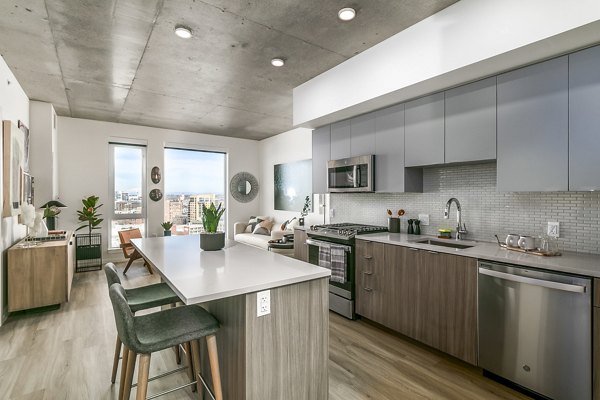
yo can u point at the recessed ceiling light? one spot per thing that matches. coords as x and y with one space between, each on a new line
346 14
277 62
183 32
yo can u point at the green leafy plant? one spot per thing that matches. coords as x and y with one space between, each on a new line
306 207
167 225
211 216
51 212
89 214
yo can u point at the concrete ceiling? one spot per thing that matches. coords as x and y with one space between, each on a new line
119 60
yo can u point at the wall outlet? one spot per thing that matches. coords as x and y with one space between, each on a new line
424 218
554 229
263 303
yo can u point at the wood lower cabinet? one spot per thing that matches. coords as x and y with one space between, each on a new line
300 246
41 275
428 296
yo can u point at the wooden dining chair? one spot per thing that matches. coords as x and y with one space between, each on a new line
129 251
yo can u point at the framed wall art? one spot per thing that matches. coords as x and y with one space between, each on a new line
13 161
293 182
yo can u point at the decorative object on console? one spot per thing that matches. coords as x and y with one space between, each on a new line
243 187
13 159
51 211
167 225
155 175
293 181
88 247
155 194
211 239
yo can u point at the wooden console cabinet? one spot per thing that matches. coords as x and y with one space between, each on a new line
40 275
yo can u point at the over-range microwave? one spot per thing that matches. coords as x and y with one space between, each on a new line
355 174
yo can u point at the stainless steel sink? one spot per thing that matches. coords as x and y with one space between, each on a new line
442 243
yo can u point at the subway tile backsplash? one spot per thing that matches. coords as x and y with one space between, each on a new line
485 211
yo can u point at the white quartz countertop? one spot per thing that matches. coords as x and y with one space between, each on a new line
568 262
199 276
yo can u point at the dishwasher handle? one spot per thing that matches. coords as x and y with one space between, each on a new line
533 281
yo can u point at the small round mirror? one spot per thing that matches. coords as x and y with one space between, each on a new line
155 175
243 187
155 194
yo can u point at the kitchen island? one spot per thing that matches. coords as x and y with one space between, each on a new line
280 355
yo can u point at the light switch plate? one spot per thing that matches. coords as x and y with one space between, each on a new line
424 218
263 303
554 229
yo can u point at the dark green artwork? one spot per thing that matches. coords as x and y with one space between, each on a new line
293 182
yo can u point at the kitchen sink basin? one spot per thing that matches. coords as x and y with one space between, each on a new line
454 245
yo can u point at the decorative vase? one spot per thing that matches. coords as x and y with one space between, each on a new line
212 241
410 229
417 227
167 233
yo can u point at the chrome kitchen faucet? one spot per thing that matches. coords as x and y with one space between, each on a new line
461 229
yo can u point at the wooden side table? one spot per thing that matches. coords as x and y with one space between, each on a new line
40 275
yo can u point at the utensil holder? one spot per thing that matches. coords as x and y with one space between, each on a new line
394 225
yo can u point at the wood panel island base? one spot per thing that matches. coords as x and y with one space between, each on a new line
280 355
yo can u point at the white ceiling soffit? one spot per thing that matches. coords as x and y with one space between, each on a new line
467 41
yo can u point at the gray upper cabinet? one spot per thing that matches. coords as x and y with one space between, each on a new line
362 135
471 122
320 155
390 174
424 130
584 119
533 128
340 140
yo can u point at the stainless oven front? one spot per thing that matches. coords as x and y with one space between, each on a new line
341 295
354 174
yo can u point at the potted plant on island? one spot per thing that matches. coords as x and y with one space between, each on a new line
167 225
88 246
211 239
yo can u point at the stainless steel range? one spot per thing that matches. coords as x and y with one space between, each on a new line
333 246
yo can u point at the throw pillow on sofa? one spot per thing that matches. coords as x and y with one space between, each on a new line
263 227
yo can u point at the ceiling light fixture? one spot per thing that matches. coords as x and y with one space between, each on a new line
347 14
278 62
183 32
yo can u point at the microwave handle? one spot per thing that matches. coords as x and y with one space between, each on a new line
356 173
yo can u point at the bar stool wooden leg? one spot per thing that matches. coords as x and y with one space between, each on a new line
129 374
177 354
123 371
213 357
144 369
195 350
190 363
113 378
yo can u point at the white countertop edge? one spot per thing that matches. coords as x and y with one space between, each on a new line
569 262
255 288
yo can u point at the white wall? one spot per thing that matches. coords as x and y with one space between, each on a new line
294 145
84 170
14 106
466 41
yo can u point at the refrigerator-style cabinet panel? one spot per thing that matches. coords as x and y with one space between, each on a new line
533 138
471 122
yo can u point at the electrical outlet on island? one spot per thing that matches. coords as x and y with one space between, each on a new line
263 303
554 229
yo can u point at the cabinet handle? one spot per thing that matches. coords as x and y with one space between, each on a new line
368 272
432 252
413 249
368 257
367 289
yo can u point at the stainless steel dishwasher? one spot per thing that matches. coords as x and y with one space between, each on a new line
535 329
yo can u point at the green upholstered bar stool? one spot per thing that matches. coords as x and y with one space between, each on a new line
154 332
141 298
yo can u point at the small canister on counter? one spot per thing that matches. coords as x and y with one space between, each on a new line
445 233
394 225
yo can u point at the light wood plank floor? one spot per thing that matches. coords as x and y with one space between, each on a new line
67 354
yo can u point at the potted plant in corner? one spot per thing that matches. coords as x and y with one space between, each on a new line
167 225
210 239
88 246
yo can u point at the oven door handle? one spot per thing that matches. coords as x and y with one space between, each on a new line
318 243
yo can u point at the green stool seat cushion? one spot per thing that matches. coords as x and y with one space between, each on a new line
142 298
157 331
150 296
